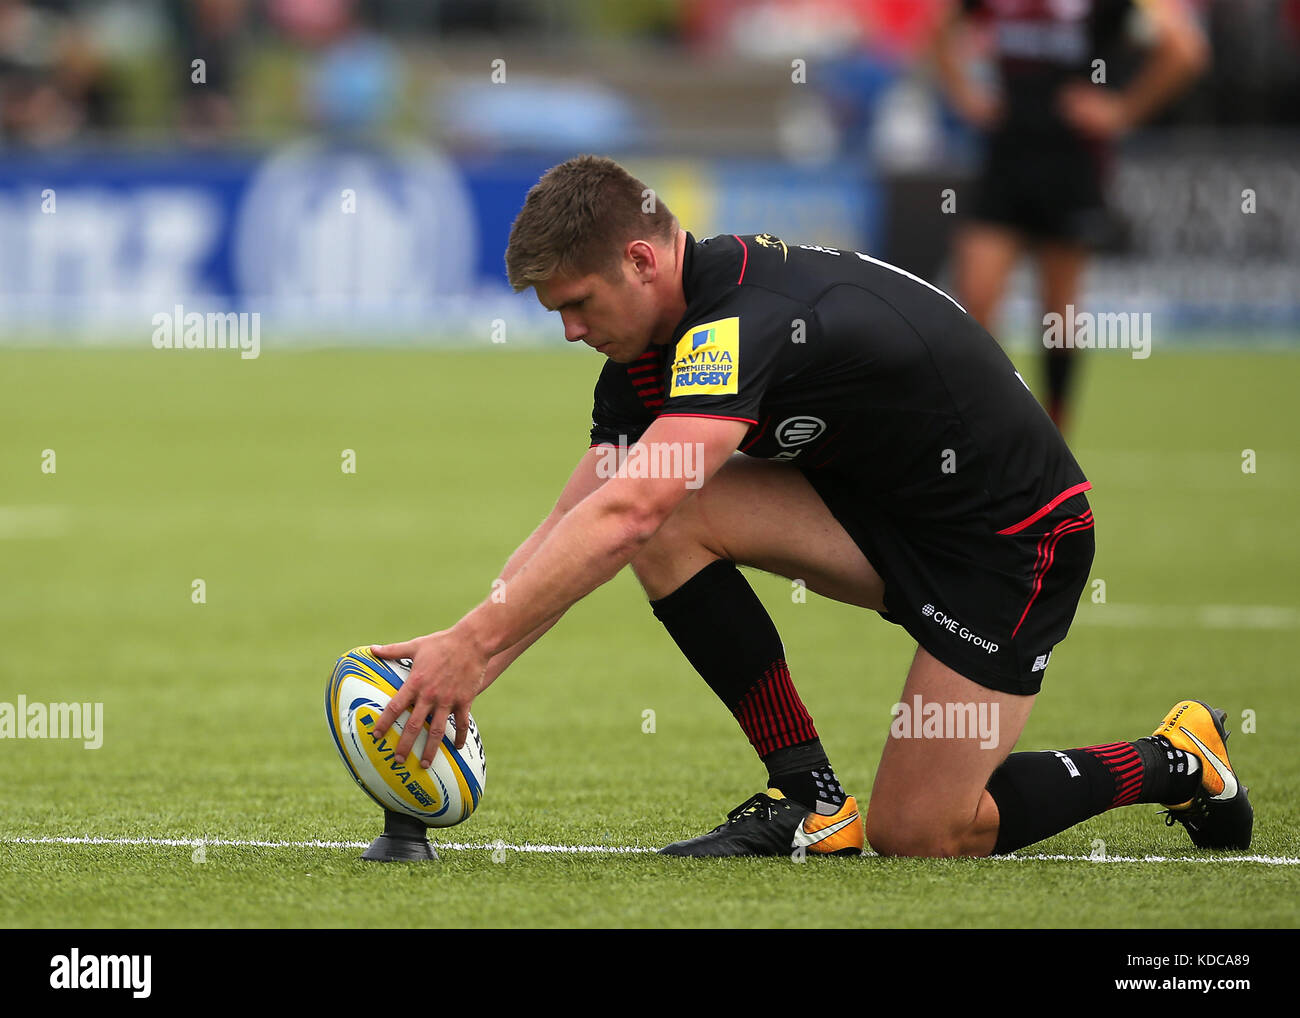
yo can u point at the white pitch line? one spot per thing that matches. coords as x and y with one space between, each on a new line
462 846
182 842
1197 616
23 522
244 843
1269 860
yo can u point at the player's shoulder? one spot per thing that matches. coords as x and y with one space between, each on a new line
734 260
754 259
744 271
735 288
715 267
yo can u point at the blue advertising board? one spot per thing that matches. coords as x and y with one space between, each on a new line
321 236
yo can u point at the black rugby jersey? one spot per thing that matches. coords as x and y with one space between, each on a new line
845 365
1039 45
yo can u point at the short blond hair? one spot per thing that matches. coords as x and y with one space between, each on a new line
576 219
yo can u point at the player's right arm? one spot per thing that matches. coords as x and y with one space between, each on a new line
618 418
586 478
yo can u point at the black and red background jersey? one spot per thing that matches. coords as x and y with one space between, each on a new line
1038 46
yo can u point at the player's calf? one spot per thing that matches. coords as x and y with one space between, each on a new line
747 513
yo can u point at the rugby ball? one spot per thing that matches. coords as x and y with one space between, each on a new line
442 795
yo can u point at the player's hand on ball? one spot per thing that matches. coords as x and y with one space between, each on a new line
446 674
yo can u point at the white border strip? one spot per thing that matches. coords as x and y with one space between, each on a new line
459 846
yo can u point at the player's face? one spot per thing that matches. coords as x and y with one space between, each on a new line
614 316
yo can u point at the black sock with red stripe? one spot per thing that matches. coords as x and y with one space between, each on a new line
1041 794
721 626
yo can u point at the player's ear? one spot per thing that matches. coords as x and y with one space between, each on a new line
643 258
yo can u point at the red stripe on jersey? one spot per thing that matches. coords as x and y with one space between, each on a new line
827 441
744 262
714 417
1046 553
757 435
1085 486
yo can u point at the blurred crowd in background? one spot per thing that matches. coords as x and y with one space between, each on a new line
700 76
197 149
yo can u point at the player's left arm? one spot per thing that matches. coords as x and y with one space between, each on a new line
1178 54
586 548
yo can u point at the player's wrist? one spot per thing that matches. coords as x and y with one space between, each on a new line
475 630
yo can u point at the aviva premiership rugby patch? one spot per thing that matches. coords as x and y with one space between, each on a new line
707 360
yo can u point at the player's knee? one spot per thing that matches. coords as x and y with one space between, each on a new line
678 536
910 837
648 566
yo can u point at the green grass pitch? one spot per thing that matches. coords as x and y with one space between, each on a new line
172 467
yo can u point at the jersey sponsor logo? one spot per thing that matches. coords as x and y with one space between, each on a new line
767 240
951 625
1057 42
799 430
1069 764
1068 10
707 359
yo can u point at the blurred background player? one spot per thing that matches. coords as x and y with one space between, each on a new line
1050 126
